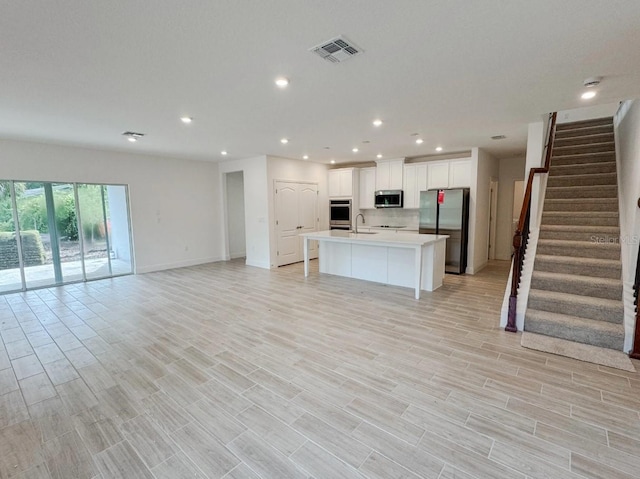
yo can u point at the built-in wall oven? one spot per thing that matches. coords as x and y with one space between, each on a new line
340 214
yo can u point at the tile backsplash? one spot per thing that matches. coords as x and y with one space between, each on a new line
392 217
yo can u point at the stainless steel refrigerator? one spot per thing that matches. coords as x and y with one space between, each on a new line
449 216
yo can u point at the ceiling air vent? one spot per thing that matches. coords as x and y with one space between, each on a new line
336 50
498 137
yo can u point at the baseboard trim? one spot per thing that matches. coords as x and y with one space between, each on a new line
178 264
258 264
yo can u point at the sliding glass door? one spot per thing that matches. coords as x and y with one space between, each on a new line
10 272
67 233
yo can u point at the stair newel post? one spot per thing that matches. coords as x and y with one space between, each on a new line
515 280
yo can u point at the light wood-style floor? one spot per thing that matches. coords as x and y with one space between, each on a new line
224 370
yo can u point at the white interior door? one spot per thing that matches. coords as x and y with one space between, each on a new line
308 215
287 223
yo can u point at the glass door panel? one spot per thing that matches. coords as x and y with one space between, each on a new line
118 229
67 240
10 278
33 219
94 231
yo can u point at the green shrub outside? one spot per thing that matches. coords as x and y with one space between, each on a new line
32 249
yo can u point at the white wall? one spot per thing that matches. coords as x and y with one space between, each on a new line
256 208
586 113
486 167
174 203
511 170
627 134
295 170
235 214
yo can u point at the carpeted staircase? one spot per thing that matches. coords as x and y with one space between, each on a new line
576 287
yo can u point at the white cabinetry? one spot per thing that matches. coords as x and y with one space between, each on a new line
415 181
459 173
367 188
449 174
341 182
438 174
389 174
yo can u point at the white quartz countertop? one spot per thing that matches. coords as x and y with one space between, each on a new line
380 238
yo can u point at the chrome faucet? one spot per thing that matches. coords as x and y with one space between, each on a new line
356 224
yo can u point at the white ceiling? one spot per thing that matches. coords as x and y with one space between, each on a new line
456 72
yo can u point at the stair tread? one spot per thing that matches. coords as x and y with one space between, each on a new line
585 132
603 120
614 304
594 280
582 175
581 229
574 322
578 260
582 200
581 165
576 243
589 214
600 143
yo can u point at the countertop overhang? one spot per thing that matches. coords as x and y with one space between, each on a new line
381 238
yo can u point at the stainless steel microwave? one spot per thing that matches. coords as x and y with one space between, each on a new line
389 199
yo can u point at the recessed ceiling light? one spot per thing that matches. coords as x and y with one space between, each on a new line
223 152
438 148
186 119
419 141
282 82
305 157
333 162
379 155
355 150
284 141
132 139
377 122
588 95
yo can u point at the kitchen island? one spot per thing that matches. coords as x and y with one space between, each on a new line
399 259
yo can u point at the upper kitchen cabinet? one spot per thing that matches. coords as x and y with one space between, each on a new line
415 181
367 188
449 174
460 173
389 174
341 183
437 174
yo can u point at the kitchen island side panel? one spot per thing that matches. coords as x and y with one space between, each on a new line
334 258
369 262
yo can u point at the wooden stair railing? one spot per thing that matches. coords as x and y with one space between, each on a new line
635 352
521 237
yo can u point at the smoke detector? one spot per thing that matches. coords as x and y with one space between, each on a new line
336 50
592 82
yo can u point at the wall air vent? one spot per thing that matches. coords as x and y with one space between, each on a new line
498 137
336 50
132 136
